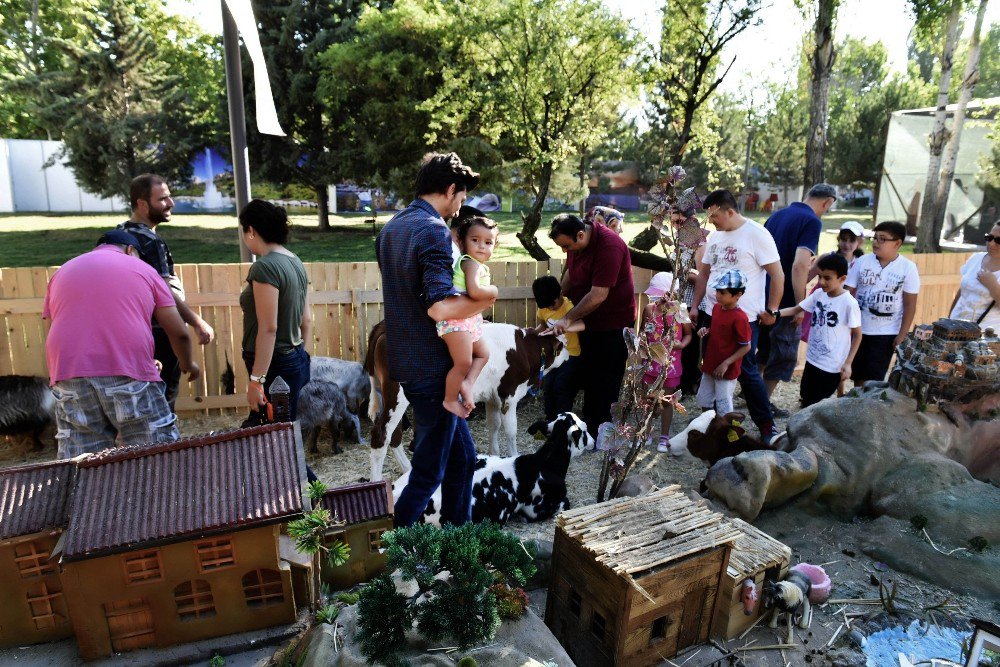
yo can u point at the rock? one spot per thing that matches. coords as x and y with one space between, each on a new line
635 485
543 563
526 641
751 481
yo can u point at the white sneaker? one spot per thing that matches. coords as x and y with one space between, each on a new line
663 447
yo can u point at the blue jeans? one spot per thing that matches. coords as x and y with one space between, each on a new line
559 387
754 390
443 455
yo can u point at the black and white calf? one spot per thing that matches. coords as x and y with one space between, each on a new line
529 487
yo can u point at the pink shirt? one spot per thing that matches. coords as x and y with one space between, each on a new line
100 305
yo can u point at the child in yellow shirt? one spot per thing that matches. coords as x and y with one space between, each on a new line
560 385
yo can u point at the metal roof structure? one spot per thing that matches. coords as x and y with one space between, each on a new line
33 498
358 503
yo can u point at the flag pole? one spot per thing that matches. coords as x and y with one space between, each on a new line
237 119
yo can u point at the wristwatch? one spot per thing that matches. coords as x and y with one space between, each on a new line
259 379
774 313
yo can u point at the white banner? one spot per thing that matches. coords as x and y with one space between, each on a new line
267 117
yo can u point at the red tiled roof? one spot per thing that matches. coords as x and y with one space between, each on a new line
359 502
130 496
33 497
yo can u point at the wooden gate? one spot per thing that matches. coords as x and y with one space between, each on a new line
130 624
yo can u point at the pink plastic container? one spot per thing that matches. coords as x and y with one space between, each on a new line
821 584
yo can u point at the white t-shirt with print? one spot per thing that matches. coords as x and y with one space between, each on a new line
830 330
748 249
880 292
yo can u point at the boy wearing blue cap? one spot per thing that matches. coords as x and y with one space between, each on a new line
726 341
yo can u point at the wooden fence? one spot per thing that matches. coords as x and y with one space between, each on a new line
347 302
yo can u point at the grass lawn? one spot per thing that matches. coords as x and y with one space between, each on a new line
50 240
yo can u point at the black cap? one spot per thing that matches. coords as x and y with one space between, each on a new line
118 237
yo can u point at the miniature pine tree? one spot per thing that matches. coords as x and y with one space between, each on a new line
383 619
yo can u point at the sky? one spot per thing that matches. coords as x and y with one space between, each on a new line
763 53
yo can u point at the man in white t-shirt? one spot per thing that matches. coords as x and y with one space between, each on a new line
886 285
741 243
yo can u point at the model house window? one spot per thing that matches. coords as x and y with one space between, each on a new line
215 554
659 629
194 600
45 601
597 626
575 602
142 567
263 588
32 559
332 538
375 540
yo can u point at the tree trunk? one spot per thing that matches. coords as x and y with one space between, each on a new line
821 65
323 199
533 218
969 80
926 241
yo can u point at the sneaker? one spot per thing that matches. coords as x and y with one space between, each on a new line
663 448
778 412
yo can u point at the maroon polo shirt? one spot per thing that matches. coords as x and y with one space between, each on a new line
605 262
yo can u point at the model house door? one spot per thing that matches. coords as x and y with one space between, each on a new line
130 624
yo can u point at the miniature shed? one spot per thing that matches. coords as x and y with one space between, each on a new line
33 501
366 510
756 556
635 580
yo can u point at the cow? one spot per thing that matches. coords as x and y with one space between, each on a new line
518 359
528 487
713 438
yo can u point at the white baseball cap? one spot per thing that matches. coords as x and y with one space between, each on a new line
854 227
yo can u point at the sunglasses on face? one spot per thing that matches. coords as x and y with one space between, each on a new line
990 237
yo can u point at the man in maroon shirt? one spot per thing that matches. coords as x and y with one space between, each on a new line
598 279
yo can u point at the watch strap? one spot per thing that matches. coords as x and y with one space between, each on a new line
259 379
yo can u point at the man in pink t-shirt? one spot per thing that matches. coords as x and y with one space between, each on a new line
99 349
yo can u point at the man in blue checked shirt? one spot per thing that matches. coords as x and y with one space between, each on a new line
414 256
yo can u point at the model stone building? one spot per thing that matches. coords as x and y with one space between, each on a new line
157 545
947 360
366 510
635 580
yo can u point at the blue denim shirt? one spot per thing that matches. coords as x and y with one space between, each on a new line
414 256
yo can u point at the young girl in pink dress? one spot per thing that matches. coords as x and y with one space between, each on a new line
663 319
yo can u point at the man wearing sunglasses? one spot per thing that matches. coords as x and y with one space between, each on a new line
886 285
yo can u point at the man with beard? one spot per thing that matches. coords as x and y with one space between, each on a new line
151 205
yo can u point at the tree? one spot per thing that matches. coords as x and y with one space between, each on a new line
121 109
989 64
821 66
294 34
780 155
931 14
378 83
693 36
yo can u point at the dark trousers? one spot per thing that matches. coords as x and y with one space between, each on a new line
751 382
294 370
443 455
559 387
171 372
817 385
873 358
600 369
691 367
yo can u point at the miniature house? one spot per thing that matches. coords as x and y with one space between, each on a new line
635 580
33 501
170 543
947 360
366 513
756 556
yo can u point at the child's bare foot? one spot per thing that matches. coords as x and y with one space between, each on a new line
465 395
456 408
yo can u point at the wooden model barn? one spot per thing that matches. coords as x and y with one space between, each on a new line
635 580
366 510
159 545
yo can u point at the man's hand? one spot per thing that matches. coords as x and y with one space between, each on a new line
845 372
766 318
720 372
693 313
206 334
193 371
561 326
702 332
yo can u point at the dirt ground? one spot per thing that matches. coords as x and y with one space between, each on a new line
819 540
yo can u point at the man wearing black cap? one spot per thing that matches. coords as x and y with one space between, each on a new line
151 202
796 229
99 349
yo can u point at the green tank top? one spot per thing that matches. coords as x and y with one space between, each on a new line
483 277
